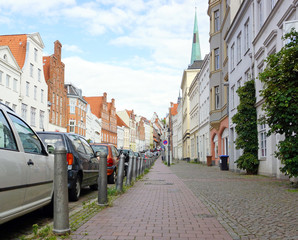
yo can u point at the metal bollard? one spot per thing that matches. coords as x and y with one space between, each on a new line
134 169
102 179
119 185
61 214
138 166
129 171
142 166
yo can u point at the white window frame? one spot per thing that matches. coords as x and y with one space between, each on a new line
72 124
246 35
33 116
24 111
263 140
35 54
7 81
31 70
217 97
41 95
239 52
27 88
39 75
216 21
232 57
216 58
15 85
41 119
35 92
1 75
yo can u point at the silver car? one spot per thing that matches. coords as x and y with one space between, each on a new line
26 168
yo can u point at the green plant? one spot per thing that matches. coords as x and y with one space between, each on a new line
280 95
246 128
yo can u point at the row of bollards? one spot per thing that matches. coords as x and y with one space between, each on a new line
136 167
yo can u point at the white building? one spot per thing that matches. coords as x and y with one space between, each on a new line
30 86
120 137
93 126
179 131
254 34
10 79
204 107
193 95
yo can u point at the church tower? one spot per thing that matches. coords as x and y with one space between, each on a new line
196 49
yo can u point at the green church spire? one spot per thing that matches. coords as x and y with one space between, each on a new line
196 49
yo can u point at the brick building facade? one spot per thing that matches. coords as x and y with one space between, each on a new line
106 111
57 95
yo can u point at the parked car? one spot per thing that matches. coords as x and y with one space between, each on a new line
27 169
82 163
126 153
112 159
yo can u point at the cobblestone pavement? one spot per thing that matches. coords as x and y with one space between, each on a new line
249 207
158 207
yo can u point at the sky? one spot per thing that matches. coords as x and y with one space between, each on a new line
134 50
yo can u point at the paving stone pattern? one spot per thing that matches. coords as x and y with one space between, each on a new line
160 206
249 207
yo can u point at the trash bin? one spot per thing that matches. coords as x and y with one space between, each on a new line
209 161
224 162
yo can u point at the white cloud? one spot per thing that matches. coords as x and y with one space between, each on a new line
72 48
145 92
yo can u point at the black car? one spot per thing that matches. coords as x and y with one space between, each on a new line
83 165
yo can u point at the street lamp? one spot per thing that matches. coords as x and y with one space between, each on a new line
169 163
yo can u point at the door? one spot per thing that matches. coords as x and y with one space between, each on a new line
93 162
13 171
38 163
83 158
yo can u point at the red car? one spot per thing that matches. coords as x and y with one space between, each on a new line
112 159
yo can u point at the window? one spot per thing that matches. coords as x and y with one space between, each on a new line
41 119
233 97
216 58
57 102
53 99
41 95
27 88
263 140
15 85
28 138
7 103
24 111
239 47
53 116
60 103
72 106
232 57
260 9
247 76
14 107
77 143
7 140
216 21
246 36
7 81
1 74
35 54
273 2
33 115
31 69
87 147
71 126
35 92
216 97
215 141
39 75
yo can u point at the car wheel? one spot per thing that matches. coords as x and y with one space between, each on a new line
75 192
112 178
94 187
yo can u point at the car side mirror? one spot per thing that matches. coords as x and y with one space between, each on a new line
50 149
97 154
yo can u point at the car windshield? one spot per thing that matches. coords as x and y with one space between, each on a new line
100 148
124 151
52 139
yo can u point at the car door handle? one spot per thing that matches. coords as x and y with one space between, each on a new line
30 162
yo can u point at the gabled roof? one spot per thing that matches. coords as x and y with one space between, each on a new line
95 104
17 45
120 122
174 109
10 58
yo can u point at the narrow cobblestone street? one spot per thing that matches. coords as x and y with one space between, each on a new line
193 201
248 206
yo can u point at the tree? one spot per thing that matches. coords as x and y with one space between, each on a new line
246 128
280 94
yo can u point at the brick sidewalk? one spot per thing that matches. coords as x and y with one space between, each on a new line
160 206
